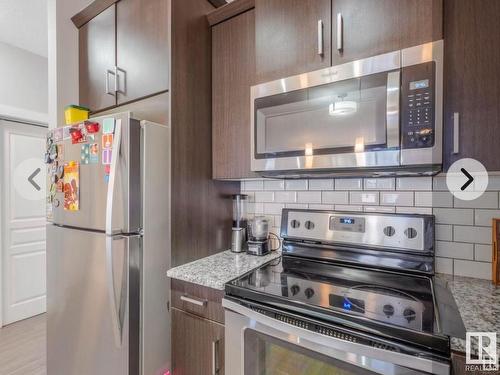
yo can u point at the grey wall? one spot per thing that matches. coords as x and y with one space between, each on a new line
23 79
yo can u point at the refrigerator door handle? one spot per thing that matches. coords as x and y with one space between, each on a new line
115 313
112 177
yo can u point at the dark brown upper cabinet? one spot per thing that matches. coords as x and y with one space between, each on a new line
472 82
292 37
124 54
233 73
97 60
141 48
364 28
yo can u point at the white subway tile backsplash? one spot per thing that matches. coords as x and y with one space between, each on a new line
285 196
321 184
488 199
480 270
348 184
483 217
296 185
264 196
483 253
444 265
462 228
414 210
404 198
379 183
252 185
454 216
414 183
335 197
364 198
315 206
469 234
274 184
385 209
444 232
309 196
433 199
273 208
455 250
345 207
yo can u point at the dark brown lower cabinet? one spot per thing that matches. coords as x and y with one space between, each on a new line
197 345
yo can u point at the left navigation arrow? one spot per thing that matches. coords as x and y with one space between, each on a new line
32 176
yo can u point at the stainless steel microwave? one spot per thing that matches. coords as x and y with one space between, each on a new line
377 116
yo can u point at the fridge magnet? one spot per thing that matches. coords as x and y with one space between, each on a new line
106 156
59 186
93 153
107 141
60 151
108 125
91 127
85 154
107 169
77 135
71 186
65 133
58 134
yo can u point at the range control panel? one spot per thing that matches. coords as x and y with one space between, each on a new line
418 90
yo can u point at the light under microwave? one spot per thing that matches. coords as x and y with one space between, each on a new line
376 116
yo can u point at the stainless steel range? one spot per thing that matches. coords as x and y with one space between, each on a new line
353 293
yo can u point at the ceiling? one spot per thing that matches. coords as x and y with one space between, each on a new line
23 23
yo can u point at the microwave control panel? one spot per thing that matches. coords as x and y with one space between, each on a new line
418 90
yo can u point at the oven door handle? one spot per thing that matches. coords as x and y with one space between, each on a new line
371 358
392 108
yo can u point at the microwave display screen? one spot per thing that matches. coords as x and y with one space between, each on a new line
346 220
422 84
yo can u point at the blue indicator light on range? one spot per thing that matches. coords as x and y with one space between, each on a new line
347 305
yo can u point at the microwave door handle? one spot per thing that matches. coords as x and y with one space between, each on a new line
392 108
115 154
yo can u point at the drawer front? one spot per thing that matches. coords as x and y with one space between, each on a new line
198 300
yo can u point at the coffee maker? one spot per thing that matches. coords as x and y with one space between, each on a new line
258 236
239 230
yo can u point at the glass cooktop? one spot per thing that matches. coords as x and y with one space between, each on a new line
363 297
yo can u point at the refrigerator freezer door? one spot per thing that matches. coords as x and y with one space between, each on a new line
93 183
88 332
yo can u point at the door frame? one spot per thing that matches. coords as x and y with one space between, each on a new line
26 118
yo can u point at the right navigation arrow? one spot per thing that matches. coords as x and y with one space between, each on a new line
469 179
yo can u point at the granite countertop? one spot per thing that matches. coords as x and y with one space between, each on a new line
479 304
216 270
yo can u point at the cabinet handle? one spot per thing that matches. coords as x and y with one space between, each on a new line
117 82
194 301
340 32
320 37
215 357
106 80
456 132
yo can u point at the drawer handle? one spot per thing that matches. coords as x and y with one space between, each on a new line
194 301
215 357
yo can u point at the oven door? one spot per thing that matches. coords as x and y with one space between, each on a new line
257 344
345 116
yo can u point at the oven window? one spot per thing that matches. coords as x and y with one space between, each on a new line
267 355
344 116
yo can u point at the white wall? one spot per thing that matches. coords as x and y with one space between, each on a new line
62 57
23 84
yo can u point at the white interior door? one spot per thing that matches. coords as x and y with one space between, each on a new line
23 192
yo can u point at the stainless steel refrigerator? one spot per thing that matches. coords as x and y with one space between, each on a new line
108 248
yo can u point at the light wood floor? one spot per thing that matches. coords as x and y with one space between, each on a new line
23 347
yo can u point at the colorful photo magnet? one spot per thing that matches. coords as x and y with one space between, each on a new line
108 125
72 186
93 153
106 156
107 140
85 154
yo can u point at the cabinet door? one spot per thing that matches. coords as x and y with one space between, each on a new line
287 37
141 48
233 73
97 56
471 81
197 345
369 27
